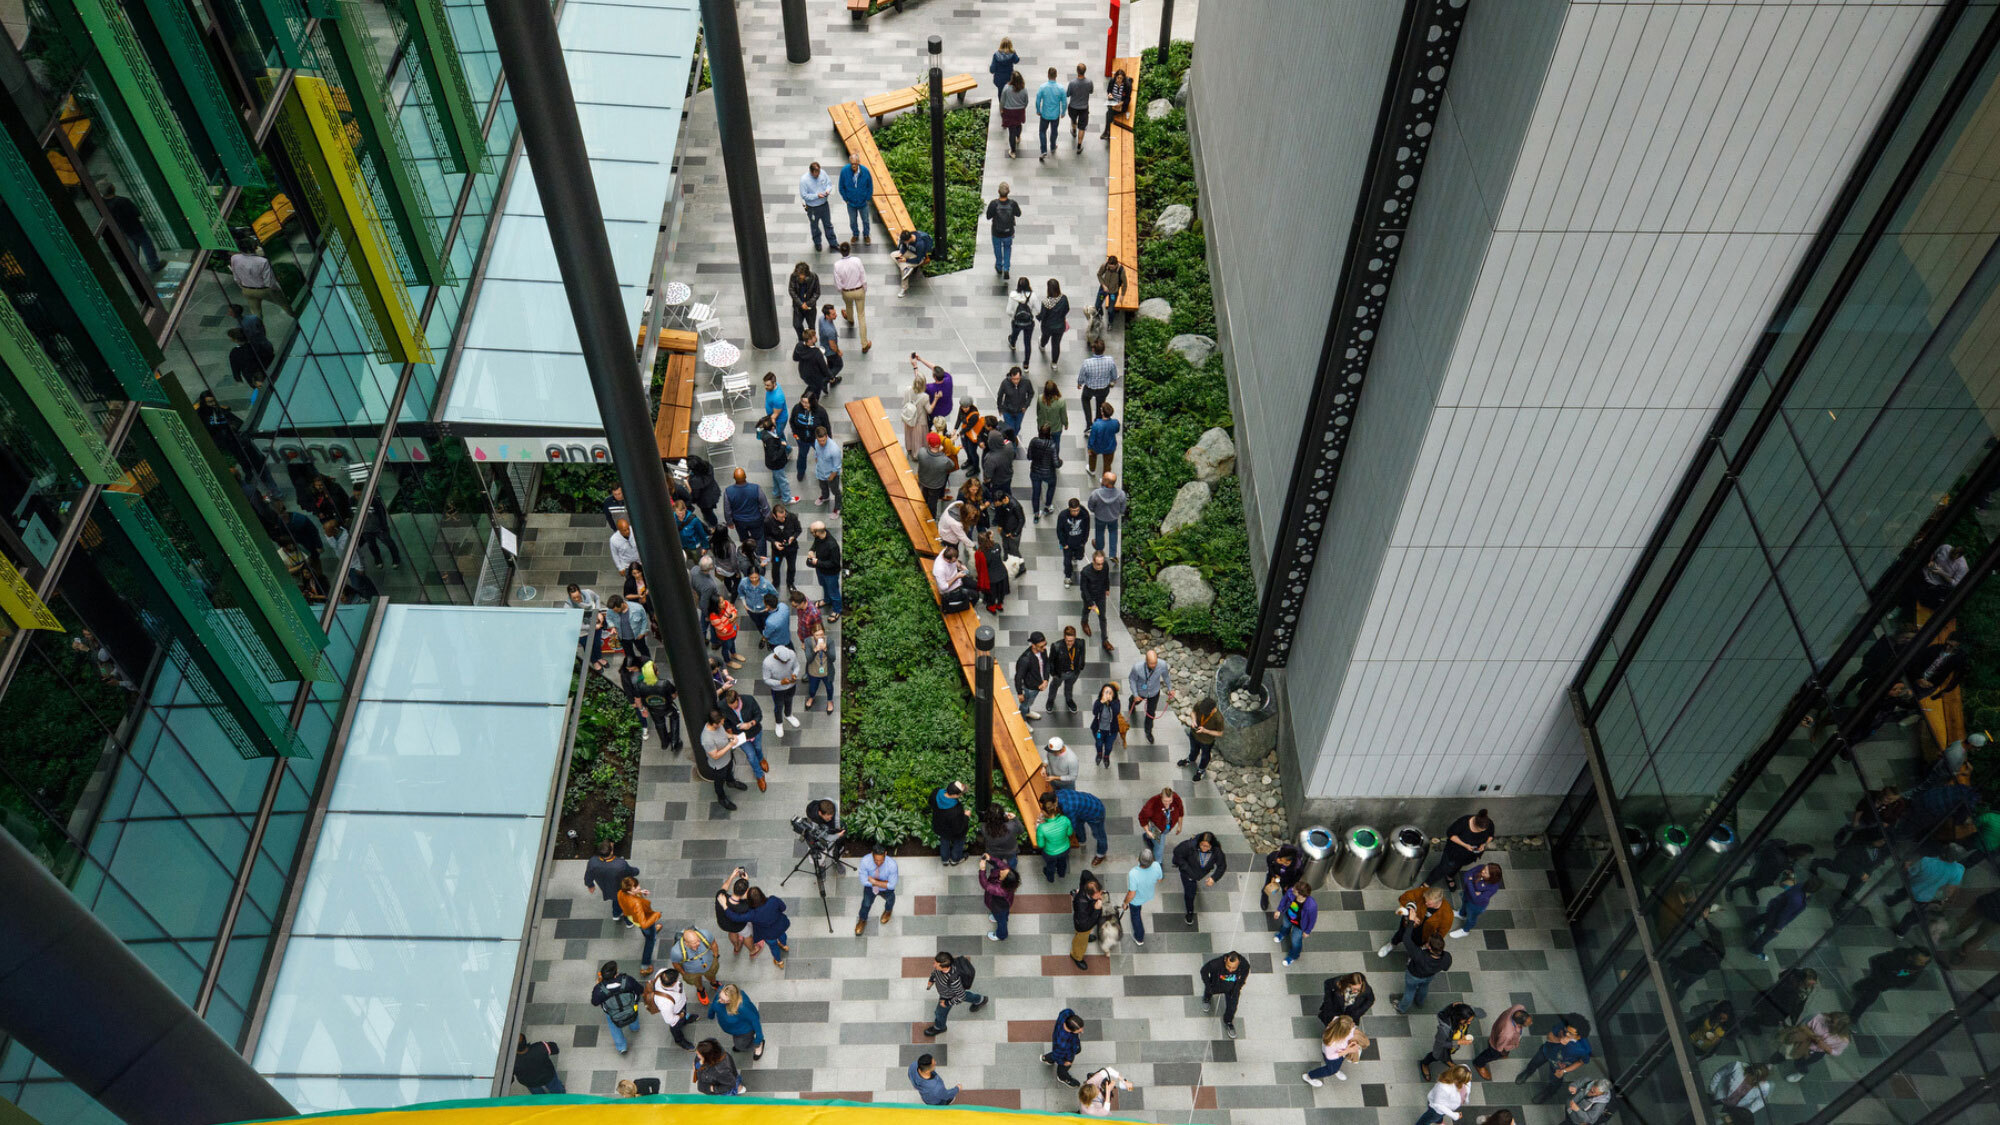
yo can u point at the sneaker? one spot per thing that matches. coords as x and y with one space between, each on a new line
1456 933
1182 762
1033 715
933 1031
1795 1078
792 719
1068 582
1207 1007
992 935
1198 775
1278 939
1311 1081
1386 949
980 1003
1340 1074
780 729
1188 917
1289 960
1073 1083
1763 957
1231 1028
1072 708
1139 940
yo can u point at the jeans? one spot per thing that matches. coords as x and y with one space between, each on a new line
1084 829
1105 299
829 584
1053 341
1188 889
829 489
1099 530
781 490
1294 940
1468 913
1000 924
1055 866
814 683
1229 999
617 1033
651 934
1545 1055
868 896
1487 1055
1003 253
805 456
1020 335
1429 1117
950 850
1049 133
555 1086
1138 922
1037 484
1027 695
1199 752
1415 988
753 750
1331 1068
857 221
1106 740
944 1010
819 217
781 703
1013 422
727 648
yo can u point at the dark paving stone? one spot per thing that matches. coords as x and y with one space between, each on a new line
581 928
1513 960
1495 939
1223 1050
1159 986
557 908
574 549
704 849
1177 1074
586 1035
1374 1094
813 756
576 577
794 1011
1258 1097
871 1033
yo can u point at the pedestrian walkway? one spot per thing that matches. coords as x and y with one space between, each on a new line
843 1002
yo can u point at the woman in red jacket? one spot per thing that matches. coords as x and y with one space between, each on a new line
992 573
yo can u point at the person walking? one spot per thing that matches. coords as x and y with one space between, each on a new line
925 1081
1031 674
636 903
1447 1098
803 287
697 958
1224 976
1772 860
879 875
857 190
616 994
1054 837
1163 815
719 746
1465 841
1014 397
1150 679
1077 94
1054 319
743 717
814 370
1296 916
1020 315
952 977
1013 99
1044 458
1107 721
1086 817
1890 970
1065 662
950 822
1202 734
1481 885
1094 378
1065 1043
781 675
1427 959
1932 882
1342 1040
1347 996
1505 1035
630 620
1110 284
823 556
1741 1085
1200 863
1141 881
1060 763
1052 414
1051 102
606 873
1454 1030
1001 213
1101 440
1562 1051
998 883
1086 905
768 924
1098 1096
1283 868
1827 1034
1106 505
828 330
815 189
1072 533
1003 64
735 1015
1424 909
850 276
715 1072
1786 905
535 1066
1589 1103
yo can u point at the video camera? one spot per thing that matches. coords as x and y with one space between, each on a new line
818 837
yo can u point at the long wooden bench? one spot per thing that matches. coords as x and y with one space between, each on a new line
677 340
1945 715
857 9
852 125
1121 218
881 105
676 417
1014 746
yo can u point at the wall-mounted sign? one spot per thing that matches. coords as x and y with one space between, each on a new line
570 450
336 456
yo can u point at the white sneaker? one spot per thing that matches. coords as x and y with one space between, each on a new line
1340 1074
1385 950
1795 1078
792 719
1311 1081
779 729
1032 715
1279 938
1456 933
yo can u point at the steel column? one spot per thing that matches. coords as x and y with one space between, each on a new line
739 165
538 78
798 40
937 148
1166 29
982 718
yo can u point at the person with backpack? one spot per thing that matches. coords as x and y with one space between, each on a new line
912 251
952 977
617 995
950 821
666 997
1086 905
1021 315
1002 212
697 958
1054 318
535 1066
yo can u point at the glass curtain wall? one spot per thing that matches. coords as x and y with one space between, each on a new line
1776 709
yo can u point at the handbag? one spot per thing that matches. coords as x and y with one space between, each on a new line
1015 565
912 413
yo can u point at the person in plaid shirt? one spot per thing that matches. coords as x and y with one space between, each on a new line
950 984
1086 812
1065 1046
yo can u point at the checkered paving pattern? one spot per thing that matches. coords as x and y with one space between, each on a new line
843 1000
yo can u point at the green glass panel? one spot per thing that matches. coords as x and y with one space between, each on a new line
53 399
388 149
285 24
219 121
444 75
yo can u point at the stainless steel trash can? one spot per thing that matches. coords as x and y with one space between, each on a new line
1321 848
1403 864
1360 855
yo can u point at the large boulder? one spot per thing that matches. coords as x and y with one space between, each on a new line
1158 108
1188 505
1194 349
1213 457
1173 219
1186 587
1155 308
1181 95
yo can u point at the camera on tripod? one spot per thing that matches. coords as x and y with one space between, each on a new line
822 844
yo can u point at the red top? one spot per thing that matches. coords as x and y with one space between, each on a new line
1162 811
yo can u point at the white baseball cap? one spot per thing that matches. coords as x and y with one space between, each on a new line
1056 745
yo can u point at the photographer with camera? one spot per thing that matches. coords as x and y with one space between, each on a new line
824 818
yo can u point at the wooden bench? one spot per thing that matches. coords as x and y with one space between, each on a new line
852 125
883 104
676 416
1121 219
1014 747
680 341
1945 715
857 9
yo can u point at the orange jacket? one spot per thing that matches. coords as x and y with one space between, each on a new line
1437 923
639 909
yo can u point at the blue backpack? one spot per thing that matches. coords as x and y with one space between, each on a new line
923 245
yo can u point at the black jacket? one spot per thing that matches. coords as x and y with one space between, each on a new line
1085 912
701 484
777 452
1016 398
1094 583
807 419
1003 212
1030 669
1216 977
948 823
1331 1007
1054 316
533 1067
1044 458
813 371
1422 964
998 463
753 712
1073 531
605 875
783 535
1067 658
1188 862
826 555
1007 518
804 291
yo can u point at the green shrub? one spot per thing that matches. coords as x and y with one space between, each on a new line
574 488
906 151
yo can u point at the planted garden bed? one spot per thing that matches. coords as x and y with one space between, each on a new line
1168 404
574 488
906 151
603 786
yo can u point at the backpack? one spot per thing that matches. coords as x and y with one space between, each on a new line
1023 315
966 974
923 244
622 1006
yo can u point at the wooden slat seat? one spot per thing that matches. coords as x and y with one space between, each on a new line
857 9
882 104
1121 219
676 416
1014 747
852 125
1945 715
677 340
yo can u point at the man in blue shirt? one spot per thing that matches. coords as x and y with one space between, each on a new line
1562 1051
1786 905
815 188
754 590
1050 102
923 1076
857 190
878 880
1931 881
746 505
1140 882
777 628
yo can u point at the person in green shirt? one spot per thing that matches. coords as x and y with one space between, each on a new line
1053 835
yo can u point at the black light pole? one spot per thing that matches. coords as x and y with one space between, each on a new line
937 147
982 717
739 165
1166 30
538 79
798 44
85 1004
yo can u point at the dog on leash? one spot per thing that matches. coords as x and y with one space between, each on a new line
1111 932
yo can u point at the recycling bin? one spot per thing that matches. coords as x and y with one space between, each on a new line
1360 855
1321 848
1403 863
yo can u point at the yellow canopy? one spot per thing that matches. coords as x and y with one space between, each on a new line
674 1109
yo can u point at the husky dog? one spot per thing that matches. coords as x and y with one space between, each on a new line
1111 932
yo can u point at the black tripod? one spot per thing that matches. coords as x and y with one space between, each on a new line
822 860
